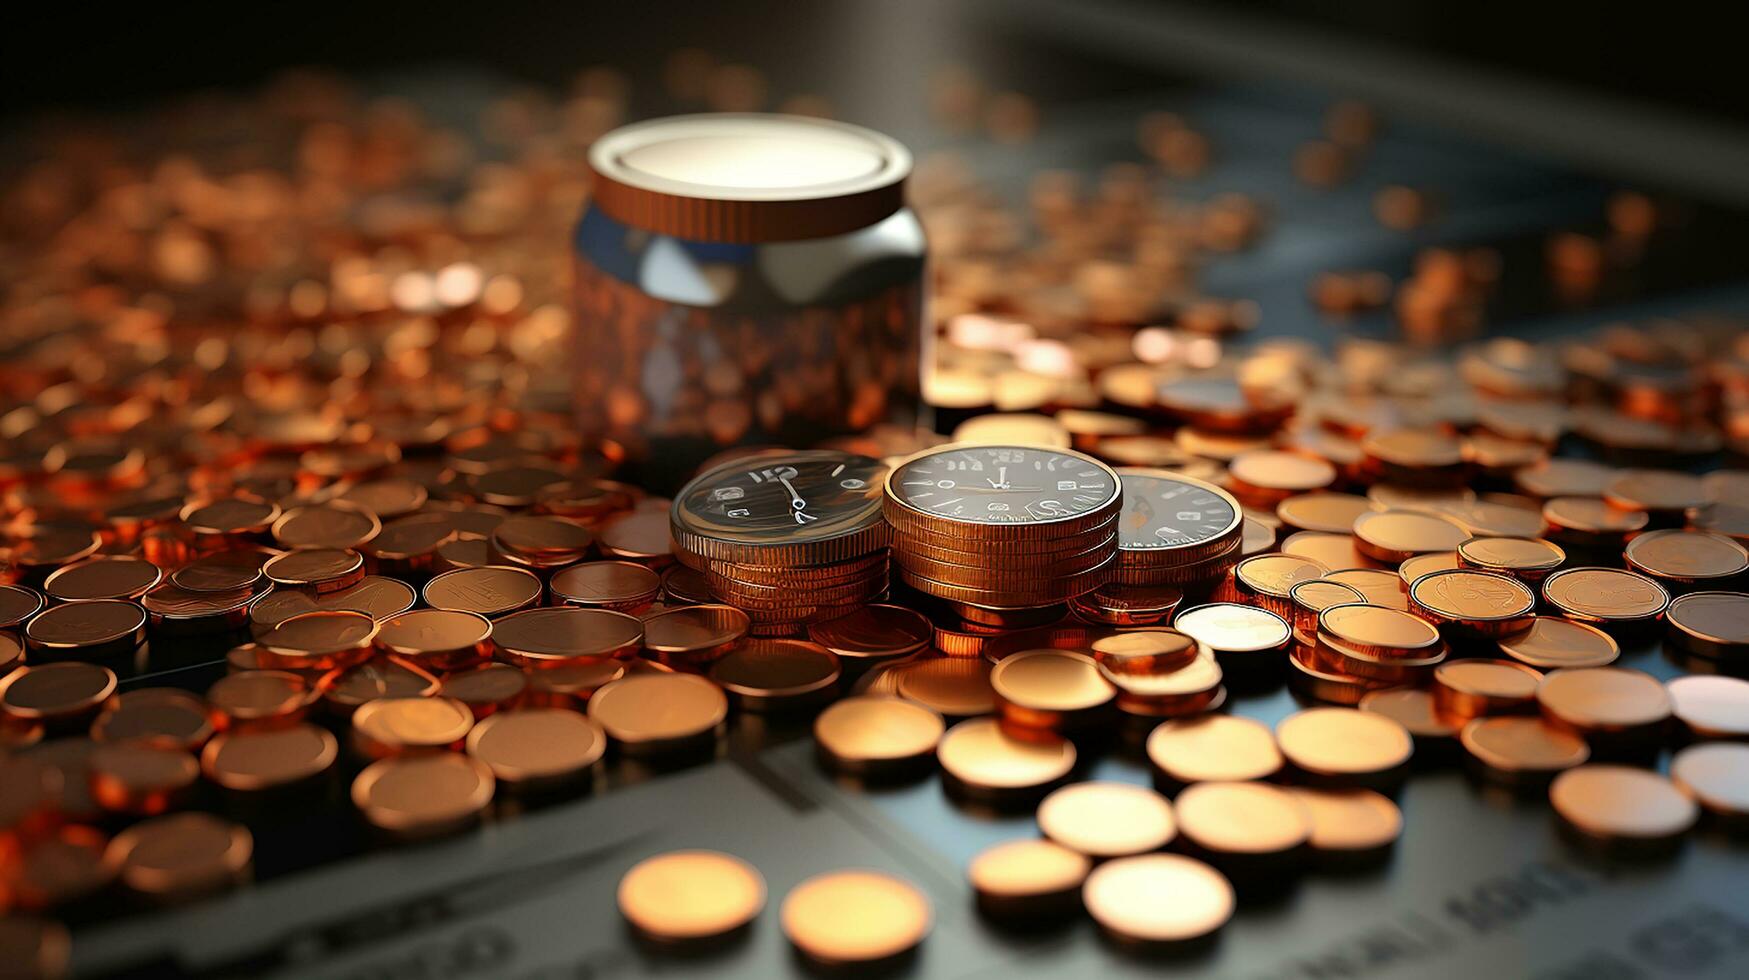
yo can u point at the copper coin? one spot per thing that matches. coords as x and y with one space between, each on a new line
1107 819
1314 681
690 896
443 639
515 486
1603 699
1378 630
103 577
175 611
1145 651
58 694
1654 490
344 689
1342 744
1589 522
1434 561
487 688
1716 774
1550 642
409 545
955 687
17 604
873 633
225 571
1729 519
159 716
142 780
1380 587
1194 683
686 586
1228 627
983 760
649 714
1686 558
1327 513
91 629
540 543
1158 899
463 553
852 917
1393 536
622 586
322 640
530 748
642 536
1522 751
1605 597
332 525
1272 575
423 795
1329 550
182 856
386 498
491 591
11 654
1470 688
392 726
40 948
1711 707
1372 666
1564 478
1256 538
317 570
694 634
1469 601
1253 819
876 735
1390 496
58 870
377 596
1712 624
1350 821
571 683
257 699
253 761
537 637
1413 708
1526 559
1049 688
1622 808
1213 748
1027 879
1272 475
775 674
219 521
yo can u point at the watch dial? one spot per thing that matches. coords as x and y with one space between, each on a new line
783 498
1004 485
1162 512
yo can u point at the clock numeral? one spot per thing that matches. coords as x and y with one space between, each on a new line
1192 516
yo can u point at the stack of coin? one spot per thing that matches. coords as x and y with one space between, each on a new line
789 538
1371 645
1175 531
1003 530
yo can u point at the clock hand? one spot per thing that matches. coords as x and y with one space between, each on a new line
795 498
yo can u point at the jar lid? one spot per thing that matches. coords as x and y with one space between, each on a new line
748 177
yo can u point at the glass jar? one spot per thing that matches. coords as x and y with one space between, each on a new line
743 279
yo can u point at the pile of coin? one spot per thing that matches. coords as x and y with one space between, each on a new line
788 538
1003 530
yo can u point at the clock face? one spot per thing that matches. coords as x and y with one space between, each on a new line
1161 511
794 497
1004 485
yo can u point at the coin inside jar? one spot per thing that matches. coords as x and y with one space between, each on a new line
1158 899
855 917
318 570
537 637
982 760
490 591
1624 809
694 634
1028 879
619 585
423 795
690 896
1343 746
1550 642
530 748
647 714
252 761
1107 819
1213 748
103 577
1395 536
877 735
762 674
